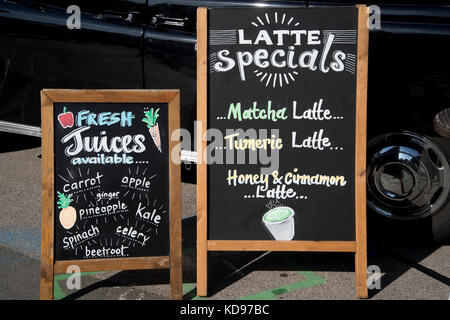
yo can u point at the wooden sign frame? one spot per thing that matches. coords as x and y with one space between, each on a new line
50 267
359 246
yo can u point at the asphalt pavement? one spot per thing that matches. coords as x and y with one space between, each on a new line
409 270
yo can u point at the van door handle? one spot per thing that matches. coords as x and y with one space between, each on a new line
161 20
120 16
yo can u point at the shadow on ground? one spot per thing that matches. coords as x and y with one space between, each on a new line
227 268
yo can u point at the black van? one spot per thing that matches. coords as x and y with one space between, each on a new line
151 44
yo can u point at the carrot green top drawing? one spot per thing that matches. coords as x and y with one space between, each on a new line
150 119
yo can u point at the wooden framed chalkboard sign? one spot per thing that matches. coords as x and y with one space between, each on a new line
110 183
282 120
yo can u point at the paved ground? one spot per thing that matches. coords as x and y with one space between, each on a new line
409 270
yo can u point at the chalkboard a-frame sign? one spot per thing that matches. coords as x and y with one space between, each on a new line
285 87
111 183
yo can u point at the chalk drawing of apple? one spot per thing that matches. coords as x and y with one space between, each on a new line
66 118
68 214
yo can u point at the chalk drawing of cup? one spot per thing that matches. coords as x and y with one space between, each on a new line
280 223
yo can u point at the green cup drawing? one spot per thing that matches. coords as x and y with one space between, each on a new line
280 223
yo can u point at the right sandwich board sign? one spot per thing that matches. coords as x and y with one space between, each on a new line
282 116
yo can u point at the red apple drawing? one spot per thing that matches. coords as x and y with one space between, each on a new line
66 118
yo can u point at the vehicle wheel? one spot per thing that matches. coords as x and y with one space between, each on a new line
188 172
440 224
408 184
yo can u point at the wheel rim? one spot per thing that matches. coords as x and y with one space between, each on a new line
408 176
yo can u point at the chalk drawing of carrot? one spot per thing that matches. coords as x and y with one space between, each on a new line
150 119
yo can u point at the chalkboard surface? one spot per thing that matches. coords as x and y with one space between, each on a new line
287 78
111 180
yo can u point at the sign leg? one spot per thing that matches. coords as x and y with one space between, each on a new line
202 251
176 280
202 272
47 279
361 274
176 255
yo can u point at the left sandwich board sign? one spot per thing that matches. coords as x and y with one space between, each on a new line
111 182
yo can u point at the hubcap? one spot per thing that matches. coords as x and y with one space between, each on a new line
408 176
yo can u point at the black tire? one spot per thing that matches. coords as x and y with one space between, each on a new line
425 230
383 229
188 172
440 221
440 224
429 219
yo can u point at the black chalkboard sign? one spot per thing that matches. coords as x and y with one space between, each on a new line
115 188
309 107
111 180
283 96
